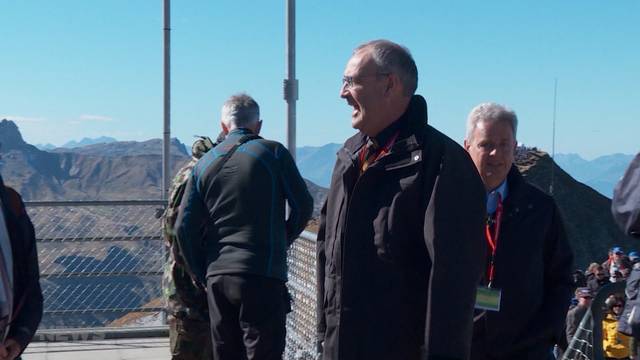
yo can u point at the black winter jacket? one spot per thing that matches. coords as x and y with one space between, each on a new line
533 269
400 249
239 213
27 294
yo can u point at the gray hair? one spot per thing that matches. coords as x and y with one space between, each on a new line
491 112
240 110
393 58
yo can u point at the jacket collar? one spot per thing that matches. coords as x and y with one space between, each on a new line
410 136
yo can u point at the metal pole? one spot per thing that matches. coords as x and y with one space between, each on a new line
167 99
553 139
291 83
167 117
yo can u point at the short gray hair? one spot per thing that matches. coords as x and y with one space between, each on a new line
393 58
240 110
491 112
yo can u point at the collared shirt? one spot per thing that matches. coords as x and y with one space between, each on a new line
385 135
6 295
492 197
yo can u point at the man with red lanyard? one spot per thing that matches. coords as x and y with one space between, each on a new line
522 302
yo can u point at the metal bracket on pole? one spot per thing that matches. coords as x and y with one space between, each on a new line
290 89
291 83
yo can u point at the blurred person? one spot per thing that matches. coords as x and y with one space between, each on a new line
625 208
405 209
625 205
616 276
579 279
617 259
614 344
528 269
234 207
187 308
591 271
574 316
599 280
20 292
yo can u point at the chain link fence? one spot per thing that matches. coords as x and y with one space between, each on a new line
101 266
581 345
100 263
301 322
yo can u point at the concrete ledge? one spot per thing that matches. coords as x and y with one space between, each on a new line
64 335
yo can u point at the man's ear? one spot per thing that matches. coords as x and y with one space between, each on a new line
467 145
392 84
258 127
225 129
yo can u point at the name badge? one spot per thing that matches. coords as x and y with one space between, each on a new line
488 299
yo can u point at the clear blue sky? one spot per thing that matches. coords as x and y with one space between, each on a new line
76 68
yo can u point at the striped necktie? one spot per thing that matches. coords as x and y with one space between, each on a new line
369 153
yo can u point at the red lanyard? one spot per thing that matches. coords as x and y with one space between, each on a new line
382 152
492 239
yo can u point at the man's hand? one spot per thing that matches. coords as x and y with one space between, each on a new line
10 350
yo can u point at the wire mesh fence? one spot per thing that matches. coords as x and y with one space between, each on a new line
581 345
101 265
301 322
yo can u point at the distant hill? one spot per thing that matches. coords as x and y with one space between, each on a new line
122 170
74 144
127 148
587 215
316 162
601 173
88 141
45 147
75 174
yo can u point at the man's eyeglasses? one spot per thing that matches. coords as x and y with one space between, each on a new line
617 305
348 81
600 274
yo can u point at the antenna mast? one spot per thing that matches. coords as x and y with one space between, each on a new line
553 139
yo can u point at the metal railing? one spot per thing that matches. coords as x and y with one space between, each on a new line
101 265
100 262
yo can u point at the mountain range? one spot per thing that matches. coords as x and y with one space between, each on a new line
316 162
74 144
601 173
133 170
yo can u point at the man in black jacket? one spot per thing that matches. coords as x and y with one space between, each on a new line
21 309
575 315
234 205
528 267
400 241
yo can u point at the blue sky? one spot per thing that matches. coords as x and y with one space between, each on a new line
76 68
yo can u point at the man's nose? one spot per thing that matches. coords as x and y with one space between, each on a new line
493 152
344 92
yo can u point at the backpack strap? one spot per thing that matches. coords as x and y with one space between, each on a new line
227 156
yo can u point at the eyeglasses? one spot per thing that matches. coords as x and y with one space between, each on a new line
600 274
348 81
617 305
